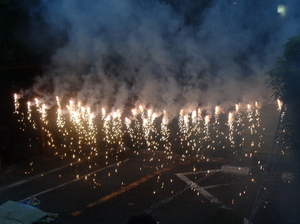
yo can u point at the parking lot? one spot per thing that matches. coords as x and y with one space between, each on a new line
112 188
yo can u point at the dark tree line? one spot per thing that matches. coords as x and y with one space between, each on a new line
284 80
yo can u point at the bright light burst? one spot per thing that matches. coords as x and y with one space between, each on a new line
76 132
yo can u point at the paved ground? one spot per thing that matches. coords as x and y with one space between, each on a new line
111 188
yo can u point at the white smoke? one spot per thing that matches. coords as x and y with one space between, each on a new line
161 54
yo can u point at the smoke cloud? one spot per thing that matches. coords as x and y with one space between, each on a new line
162 54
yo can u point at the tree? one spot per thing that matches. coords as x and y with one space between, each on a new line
284 80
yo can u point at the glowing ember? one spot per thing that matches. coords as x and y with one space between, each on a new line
78 130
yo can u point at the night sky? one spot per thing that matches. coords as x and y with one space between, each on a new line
164 55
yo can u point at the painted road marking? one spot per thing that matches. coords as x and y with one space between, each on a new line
74 180
165 201
39 175
123 189
204 193
34 177
201 172
195 186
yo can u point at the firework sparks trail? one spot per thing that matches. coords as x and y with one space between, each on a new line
183 128
250 119
257 122
196 135
279 104
117 133
146 127
44 122
216 121
165 134
239 125
129 129
251 123
29 116
16 103
230 124
207 138
107 130
198 131
216 128
137 128
150 131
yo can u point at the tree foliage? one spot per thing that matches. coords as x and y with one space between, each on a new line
284 80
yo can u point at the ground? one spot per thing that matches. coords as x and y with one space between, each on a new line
110 188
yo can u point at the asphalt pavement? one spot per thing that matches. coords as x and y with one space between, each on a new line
112 187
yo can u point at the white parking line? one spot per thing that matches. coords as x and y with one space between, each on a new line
164 201
45 173
37 176
201 171
74 180
204 193
196 187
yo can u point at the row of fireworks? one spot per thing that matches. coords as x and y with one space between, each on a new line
78 129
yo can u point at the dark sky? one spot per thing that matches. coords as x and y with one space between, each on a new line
163 54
